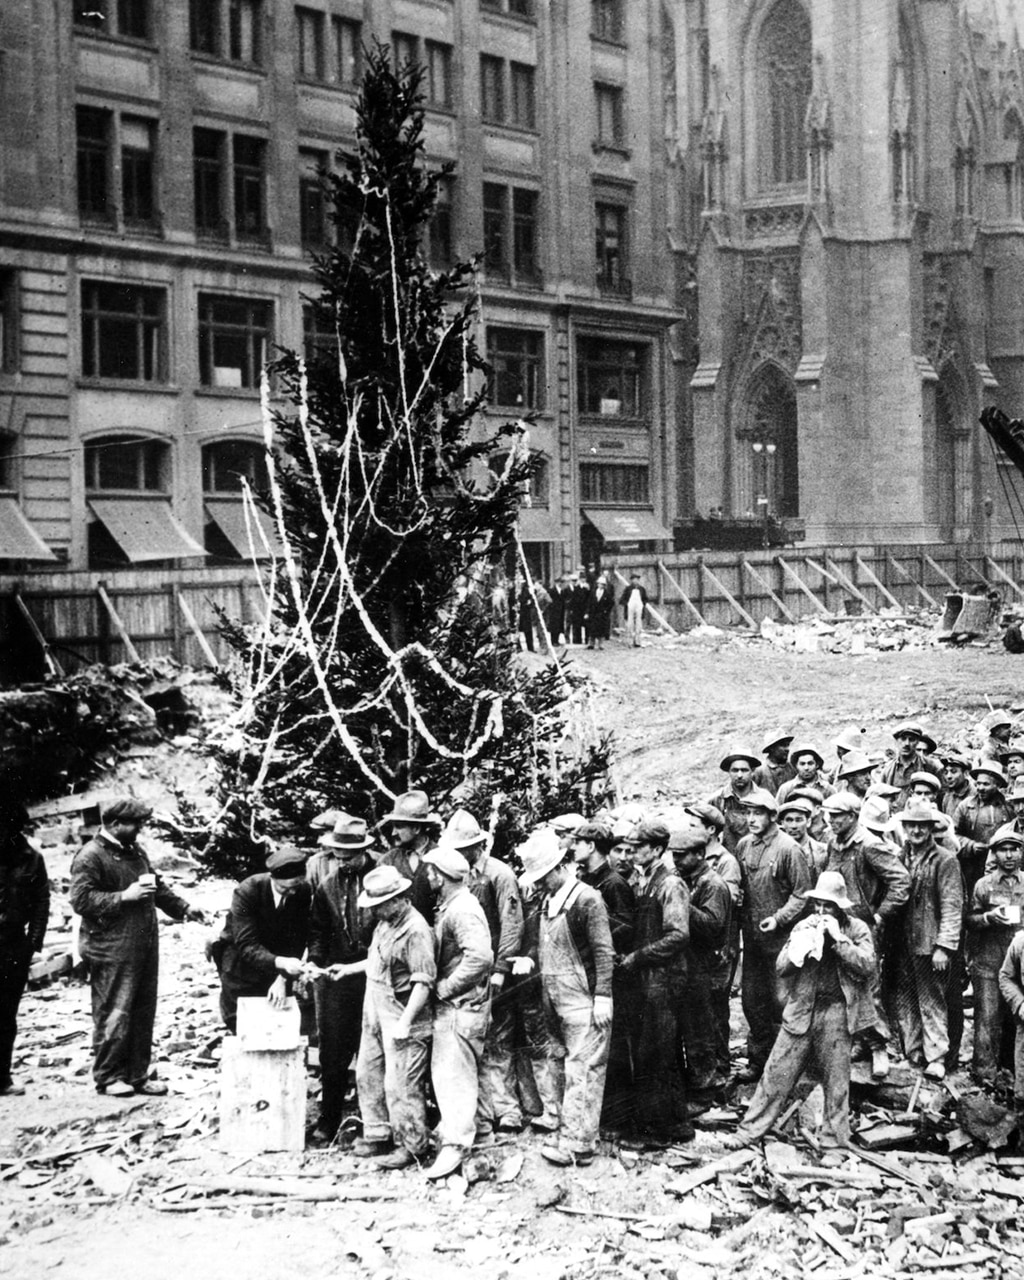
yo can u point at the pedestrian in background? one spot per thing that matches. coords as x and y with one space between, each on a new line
24 912
633 601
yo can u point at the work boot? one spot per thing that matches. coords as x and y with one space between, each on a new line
400 1158
935 1070
116 1089
565 1158
370 1148
545 1123
449 1159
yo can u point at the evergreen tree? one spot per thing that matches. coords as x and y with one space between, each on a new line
391 661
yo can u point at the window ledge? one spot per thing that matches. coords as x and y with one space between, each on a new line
128 384
230 393
143 495
137 43
251 70
614 419
506 126
517 20
598 147
610 42
792 193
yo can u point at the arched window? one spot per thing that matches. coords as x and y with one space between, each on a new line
228 462
767 461
784 64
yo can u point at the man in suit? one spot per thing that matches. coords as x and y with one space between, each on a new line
266 932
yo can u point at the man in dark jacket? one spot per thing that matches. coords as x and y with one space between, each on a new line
24 911
576 957
266 933
708 967
600 603
412 829
115 891
593 845
339 933
658 964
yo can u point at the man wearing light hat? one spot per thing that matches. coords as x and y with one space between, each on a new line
394 1044
776 873
928 995
575 959
462 1002
998 725
827 963
878 885
777 768
494 886
992 920
115 891
1012 761
809 765
339 933
266 933
978 818
855 773
412 827
851 739
740 766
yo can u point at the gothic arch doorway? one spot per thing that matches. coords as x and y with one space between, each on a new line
766 447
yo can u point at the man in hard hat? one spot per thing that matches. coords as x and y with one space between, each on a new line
992 920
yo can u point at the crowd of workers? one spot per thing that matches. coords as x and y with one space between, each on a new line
587 994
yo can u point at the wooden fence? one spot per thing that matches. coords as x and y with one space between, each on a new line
62 621
728 589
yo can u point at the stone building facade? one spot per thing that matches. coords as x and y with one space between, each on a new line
158 203
853 232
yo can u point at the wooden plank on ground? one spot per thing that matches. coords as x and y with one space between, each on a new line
688 603
905 573
792 573
52 665
779 602
869 573
719 585
119 627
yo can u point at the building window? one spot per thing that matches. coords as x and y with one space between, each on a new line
516 357
617 484
539 489
228 29
208 150
309 44
1013 135
611 130
610 248
230 463
525 263
319 334
123 332
138 170
234 336
785 60
9 326
94 129
249 163
405 50
517 8
438 84
441 243
313 222
126 18
508 257
524 109
611 381
606 19
346 42
492 89
126 464
8 445
496 261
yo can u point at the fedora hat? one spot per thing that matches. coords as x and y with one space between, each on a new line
993 769
414 807
540 854
463 831
917 810
758 798
874 813
831 887
347 833
805 749
739 754
849 740
447 860
775 738
381 885
1014 749
855 761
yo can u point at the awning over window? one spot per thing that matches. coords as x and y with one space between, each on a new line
18 540
627 525
539 524
145 529
241 523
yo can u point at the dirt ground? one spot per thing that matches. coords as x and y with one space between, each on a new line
675 707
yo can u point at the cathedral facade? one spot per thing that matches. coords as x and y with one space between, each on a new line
849 230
